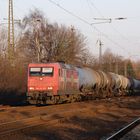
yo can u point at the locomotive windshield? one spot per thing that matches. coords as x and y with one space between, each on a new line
35 71
47 71
42 71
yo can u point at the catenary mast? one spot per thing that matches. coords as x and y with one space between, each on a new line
11 39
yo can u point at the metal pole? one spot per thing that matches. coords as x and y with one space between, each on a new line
37 41
13 34
100 54
11 38
9 27
38 47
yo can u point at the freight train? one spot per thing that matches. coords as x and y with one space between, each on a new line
59 82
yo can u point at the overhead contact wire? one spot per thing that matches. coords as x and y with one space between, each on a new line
86 22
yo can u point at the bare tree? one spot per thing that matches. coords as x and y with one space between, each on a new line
51 41
3 42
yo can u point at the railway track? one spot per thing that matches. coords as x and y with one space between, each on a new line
124 130
55 115
33 107
13 127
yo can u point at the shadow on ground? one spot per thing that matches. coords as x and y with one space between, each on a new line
76 128
13 99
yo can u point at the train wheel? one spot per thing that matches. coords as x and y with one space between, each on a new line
73 99
38 102
99 92
31 102
78 98
44 100
94 95
55 99
110 93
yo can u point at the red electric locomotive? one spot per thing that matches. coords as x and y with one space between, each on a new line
52 82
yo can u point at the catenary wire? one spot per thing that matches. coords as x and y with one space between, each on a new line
99 12
83 20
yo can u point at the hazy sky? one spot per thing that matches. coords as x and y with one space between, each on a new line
122 37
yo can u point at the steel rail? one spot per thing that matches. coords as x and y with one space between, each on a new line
21 125
124 130
32 125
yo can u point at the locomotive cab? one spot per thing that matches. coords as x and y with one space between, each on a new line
42 81
50 82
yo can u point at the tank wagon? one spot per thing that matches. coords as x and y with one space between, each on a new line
134 86
60 82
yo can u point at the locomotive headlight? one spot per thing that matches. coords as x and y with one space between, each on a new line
41 79
31 88
50 88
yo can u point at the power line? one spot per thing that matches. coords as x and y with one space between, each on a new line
95 8
134 18
93 5
83 20
58 5
90 9
114 42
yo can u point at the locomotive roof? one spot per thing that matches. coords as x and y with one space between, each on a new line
63 65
